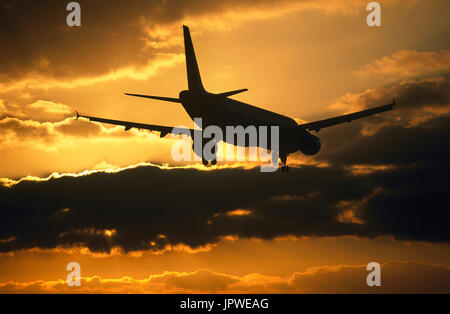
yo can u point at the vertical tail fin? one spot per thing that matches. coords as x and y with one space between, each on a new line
193 74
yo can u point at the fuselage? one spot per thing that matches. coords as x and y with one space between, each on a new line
221 111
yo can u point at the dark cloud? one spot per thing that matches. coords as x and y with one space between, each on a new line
407 202
395 278
427 142
423 93
39 41
24 129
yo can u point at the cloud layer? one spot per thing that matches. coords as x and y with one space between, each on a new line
144 203
396 277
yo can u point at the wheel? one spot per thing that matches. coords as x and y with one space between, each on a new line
205 162
214 162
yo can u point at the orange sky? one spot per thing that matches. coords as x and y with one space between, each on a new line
320 59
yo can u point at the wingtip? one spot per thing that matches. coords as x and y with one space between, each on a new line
78 115
393 102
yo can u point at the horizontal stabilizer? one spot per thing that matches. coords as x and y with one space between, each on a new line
156 97
228 94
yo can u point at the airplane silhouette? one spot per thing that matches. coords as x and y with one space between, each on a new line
221 111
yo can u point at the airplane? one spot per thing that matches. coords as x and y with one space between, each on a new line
220 110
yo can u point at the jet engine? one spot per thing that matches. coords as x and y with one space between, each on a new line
310 145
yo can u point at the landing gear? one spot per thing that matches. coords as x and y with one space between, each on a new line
206 162
214 158
284 167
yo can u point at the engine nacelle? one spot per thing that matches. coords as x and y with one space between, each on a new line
311 145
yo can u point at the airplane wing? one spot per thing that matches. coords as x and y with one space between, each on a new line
318 125
164 130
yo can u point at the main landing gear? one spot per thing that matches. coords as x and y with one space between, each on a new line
284 167
214 157
206 162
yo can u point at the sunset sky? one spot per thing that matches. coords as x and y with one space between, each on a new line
136 221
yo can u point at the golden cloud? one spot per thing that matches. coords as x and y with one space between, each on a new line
410 95
321 279
36 81
409 63
349 211
239 212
